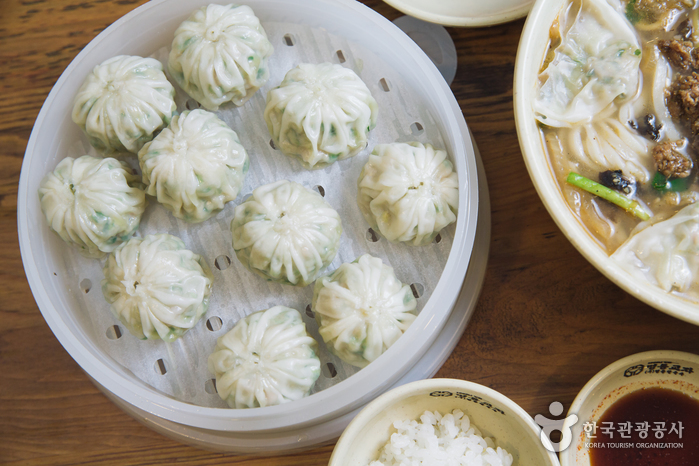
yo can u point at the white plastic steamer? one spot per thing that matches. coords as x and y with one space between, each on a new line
321 416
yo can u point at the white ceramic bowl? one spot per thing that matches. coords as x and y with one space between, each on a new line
642 370
530 55
494 414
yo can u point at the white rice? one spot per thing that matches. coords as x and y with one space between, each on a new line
437 440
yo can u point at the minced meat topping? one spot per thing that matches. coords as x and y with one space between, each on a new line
681 54
670 162
683 100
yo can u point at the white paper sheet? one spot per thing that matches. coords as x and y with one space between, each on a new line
236 291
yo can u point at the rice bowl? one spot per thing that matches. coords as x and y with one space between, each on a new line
508 425
436 439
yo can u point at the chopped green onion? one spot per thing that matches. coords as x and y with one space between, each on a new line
631 13
659 182
662 183
610 195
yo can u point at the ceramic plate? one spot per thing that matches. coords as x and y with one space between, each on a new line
464 13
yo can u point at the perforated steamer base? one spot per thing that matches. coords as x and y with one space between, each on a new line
269 443
376 50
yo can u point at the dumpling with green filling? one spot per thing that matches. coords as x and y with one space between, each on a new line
320 114
219 54
596 64
157 287
94 204
194 166
408 192
267 359
666 253
123 102
362 309
286 233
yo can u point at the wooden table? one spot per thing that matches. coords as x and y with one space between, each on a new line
545 323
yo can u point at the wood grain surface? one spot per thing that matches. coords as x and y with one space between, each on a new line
545 323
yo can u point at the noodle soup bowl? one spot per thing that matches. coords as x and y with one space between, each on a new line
495 415
545 174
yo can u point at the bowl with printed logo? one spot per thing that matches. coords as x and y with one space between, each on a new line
497 417
644 407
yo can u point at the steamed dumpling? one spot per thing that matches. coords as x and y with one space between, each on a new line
320 114
219 54
408 192
123 102
596 64
665 254
92 203
267 359
194 166
286 233
362 309
157 287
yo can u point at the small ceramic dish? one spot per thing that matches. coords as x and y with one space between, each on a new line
673 370
494 414
464 13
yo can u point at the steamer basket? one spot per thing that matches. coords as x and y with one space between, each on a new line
55 272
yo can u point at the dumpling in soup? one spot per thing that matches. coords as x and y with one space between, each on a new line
588 87
597 63
666 253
